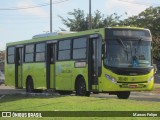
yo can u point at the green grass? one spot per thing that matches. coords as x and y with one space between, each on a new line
74 103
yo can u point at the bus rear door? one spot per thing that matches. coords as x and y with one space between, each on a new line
19 67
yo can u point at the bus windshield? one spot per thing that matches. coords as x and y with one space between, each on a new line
128 52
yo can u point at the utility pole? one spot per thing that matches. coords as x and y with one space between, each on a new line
50 15
90 15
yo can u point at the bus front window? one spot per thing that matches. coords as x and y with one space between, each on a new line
128 53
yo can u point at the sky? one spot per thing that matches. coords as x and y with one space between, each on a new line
21 24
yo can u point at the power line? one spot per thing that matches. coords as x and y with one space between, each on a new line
24 22
19 15
20 8
30 7
138 3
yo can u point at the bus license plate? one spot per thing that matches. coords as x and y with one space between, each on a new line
132 86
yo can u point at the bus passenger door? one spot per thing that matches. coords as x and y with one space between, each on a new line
94 61
19 67
50 65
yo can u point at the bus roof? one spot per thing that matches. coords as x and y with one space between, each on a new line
73 34
59 36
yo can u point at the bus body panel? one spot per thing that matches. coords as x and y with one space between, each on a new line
38 73
66 75
10 74
80 71
130 83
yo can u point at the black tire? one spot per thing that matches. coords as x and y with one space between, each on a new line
123 94
81 88
61 92
29 86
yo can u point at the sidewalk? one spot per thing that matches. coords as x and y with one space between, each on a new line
10 90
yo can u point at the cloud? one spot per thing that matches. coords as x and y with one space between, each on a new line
123 6
38 11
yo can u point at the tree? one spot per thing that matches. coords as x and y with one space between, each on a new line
149 18
77 22
80 22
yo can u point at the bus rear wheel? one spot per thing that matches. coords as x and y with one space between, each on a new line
29 86
81 88
123 94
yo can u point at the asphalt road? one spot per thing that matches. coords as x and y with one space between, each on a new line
10 90
139 96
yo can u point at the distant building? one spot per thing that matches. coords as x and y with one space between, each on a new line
2 57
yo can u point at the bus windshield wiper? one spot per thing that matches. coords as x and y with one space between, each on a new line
124 47
139 40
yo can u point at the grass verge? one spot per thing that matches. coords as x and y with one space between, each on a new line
73 103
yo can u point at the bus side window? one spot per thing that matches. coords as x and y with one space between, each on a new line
29 53
10 55
64 50
80 48
40 52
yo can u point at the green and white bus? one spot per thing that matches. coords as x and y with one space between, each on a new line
114 60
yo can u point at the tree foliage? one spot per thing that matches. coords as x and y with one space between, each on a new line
150 18
78 21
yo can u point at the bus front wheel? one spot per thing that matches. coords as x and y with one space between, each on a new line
29 86
123 94
81 88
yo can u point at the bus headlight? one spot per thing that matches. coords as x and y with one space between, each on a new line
111 78
149 80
